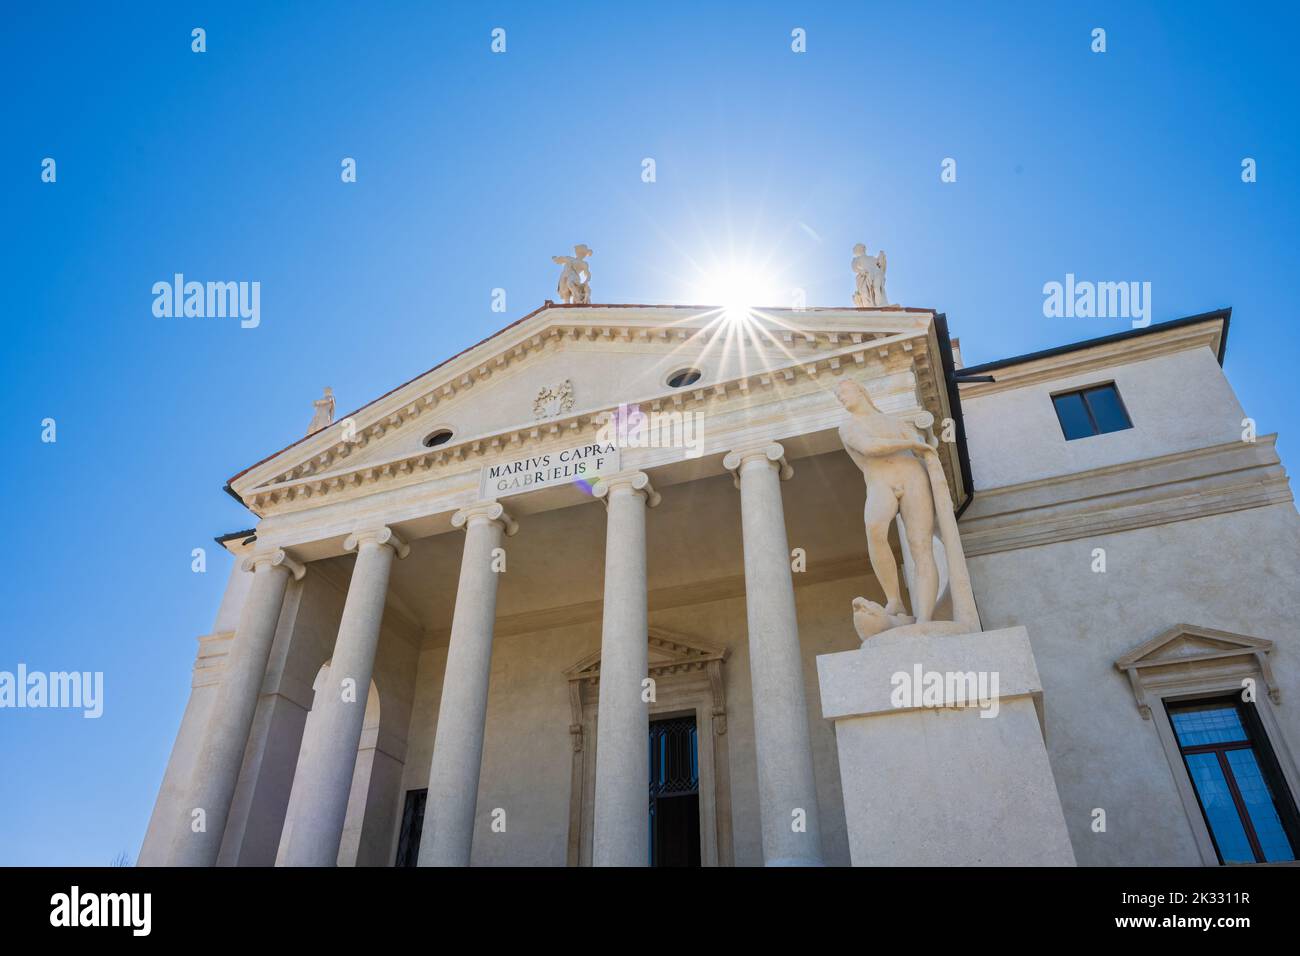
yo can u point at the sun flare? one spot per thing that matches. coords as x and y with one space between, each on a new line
737 291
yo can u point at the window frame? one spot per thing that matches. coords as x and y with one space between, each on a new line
1082 392
655 798
428 440
687 371
1258 742
1163 669
697 690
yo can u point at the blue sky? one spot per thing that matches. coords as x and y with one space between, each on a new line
473 170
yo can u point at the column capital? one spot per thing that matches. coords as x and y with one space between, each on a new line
381 534
766 450
638 481
490 510
275 558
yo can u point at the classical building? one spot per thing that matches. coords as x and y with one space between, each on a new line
599 590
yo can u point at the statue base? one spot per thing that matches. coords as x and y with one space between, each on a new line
942 760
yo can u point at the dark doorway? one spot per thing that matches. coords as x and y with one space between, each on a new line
408 843
674 792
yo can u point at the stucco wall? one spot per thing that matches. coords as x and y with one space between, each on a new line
1177 402
1236 572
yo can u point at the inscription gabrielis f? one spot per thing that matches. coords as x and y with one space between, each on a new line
584 463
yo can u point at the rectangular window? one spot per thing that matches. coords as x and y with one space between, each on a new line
1095 410
1243 796
408 843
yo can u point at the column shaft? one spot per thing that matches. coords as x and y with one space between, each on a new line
622 827
216 771
340 709
787 792
448 833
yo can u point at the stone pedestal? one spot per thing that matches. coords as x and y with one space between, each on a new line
941 751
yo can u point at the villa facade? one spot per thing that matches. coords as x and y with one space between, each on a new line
561 600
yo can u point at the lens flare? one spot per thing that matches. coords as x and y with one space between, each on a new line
737 290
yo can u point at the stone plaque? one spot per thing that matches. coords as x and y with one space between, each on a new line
584 463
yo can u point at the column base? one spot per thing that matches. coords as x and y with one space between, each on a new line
941 751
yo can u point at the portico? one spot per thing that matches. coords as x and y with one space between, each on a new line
466 610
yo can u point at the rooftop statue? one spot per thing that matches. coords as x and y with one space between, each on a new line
575 278
869 276
324 414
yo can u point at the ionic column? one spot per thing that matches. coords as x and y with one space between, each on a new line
216 771
621 827
340 706
458 745
787 791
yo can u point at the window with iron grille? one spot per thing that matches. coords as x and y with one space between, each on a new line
674 792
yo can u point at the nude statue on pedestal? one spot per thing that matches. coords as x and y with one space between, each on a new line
891 455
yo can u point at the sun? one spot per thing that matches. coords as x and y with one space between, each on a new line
737 290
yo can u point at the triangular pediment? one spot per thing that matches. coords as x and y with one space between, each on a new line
559 371
668 653
1188 642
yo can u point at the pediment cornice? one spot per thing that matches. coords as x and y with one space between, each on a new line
327 465
1183 658
669 653
670 326
1188 642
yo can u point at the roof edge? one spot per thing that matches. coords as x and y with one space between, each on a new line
954 405
1224 315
